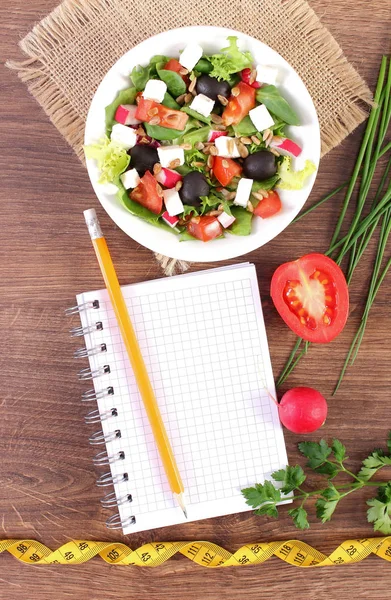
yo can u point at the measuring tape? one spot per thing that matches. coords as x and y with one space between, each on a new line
205 554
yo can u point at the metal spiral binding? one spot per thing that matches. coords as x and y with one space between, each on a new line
102 458
80 330
91 394
87 374
74 310
86 352
114 522
99 438
94 416
109 479
110 500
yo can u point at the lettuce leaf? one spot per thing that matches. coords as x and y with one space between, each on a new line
230 60
242 225
294 180
111 158
140 211
127 96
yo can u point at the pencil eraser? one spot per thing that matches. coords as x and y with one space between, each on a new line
92 222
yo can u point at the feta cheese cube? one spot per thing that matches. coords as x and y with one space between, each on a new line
171 221
172 202
155 90
130 179
267 74
124 136
261 117
225 219
226 147
167 154
190 56
108 188
243 192
202 104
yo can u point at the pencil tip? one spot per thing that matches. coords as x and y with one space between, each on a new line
181 502
184 512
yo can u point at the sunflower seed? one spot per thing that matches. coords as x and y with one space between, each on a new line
225 192
210 161
242 149
214 213
186 146
157 167
253 75
216 119
159 189
231 196
266 134
140 131
153 111
235 91
222 99
144 140
256 140
199 146
231 147
198 163
178 185
213 150
245 140
181 99
225 164
260 194
154 121
192 85
174 164
273 151
195 220
250 207
183 71
188 98
211 173
138 98
220 127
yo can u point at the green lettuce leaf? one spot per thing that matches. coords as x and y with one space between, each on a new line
272 99
246 127
140 211
204 66
196 115
242 224
127 96
162 133
294 180
197 135
111 158
174 82
266 184
230 60
169 101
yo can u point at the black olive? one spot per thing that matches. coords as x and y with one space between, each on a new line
260 165
194 185
211 87
143 158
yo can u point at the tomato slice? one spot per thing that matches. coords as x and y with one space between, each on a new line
225 169
204 228
174 65
239 106
311 295
148 193
169 117
268 206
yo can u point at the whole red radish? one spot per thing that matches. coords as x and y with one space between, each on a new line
302 410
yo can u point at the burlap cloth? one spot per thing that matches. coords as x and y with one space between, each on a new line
71 49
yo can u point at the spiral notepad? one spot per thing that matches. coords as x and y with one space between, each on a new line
204 343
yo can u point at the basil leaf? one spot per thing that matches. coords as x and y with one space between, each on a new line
140 76
272 99
174 82
204 66
158 58
246 127
266 184
196 115
169 101
161 133
242 224
127 96
138 210
197 135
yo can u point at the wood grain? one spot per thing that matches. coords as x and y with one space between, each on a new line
47 478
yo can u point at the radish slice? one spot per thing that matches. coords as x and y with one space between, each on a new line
213 135
171 221
286 147
168 177
125 114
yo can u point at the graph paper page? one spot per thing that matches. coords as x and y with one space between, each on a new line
204 342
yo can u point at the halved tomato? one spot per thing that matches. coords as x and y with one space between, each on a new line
174 65
148 193
311 295
204 228
239 106
168 117
225 169
268 206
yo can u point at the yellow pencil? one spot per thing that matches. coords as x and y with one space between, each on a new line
135 356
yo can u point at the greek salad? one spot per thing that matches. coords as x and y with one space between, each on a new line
198 144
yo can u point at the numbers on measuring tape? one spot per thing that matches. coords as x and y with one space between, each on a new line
285 549
83 546
34 557
193 550
159 547
339 561
351 550
256 548
69 555
21 548
244 560
388 551
207 558
299 558
113 554
145 557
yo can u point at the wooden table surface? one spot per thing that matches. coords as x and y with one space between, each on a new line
47 479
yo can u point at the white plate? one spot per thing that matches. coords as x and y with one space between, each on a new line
212 39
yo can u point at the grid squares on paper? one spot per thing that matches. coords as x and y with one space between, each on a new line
205 355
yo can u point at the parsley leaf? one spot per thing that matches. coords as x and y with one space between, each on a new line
380 512
339 450
292 478
325 509
329 469
316 453
389 442
372 464
299 517
263 497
